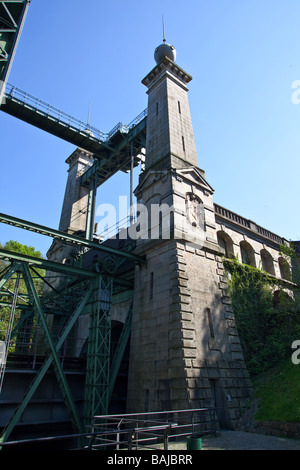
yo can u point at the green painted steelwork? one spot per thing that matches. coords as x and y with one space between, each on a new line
98 355
46 117
90 218
96 299
58 267
119 157
52 358
12 18
119 353
68 238
11 269
45 264
63 383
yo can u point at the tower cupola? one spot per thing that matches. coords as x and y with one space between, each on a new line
164 50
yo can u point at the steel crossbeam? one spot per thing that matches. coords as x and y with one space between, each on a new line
66 237
44 264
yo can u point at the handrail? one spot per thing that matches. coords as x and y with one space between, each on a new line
25 99
154 430
184 422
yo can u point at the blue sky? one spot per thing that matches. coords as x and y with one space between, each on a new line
243 55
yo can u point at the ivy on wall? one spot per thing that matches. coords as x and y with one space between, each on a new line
266 315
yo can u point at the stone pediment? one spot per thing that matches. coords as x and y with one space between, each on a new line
151 177
195 176
191 174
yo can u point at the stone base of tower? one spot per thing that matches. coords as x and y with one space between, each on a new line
185 350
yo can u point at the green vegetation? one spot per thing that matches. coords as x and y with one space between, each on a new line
268 321
266 315
278 392
9 287
17 247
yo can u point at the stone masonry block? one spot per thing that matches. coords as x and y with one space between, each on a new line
189 352
175 352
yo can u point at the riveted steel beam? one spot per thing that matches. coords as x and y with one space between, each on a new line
45 264
66 237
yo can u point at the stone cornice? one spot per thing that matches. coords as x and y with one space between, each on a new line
166 65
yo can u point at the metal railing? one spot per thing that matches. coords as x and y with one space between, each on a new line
25 99
145 431
248 224
150 430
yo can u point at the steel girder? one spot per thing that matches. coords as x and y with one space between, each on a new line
90 219
52 357
100 377
67 238
119 157
119 353
12 17
98 354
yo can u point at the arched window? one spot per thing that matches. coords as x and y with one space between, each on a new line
226 244
247 254
285 271
267 262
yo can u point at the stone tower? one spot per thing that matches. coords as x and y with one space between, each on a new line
185 351
73 218
73 214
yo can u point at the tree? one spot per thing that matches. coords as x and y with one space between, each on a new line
6 293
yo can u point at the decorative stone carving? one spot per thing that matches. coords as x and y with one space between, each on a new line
194 210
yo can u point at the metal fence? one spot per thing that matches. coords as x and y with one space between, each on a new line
150 430
127 432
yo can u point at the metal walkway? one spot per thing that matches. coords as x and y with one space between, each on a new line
112 150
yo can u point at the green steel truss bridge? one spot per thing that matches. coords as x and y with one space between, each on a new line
88 290
84 289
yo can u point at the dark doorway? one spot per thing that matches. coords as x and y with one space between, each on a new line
220 403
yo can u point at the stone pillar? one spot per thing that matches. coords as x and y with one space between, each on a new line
74 210
75 205
170 138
